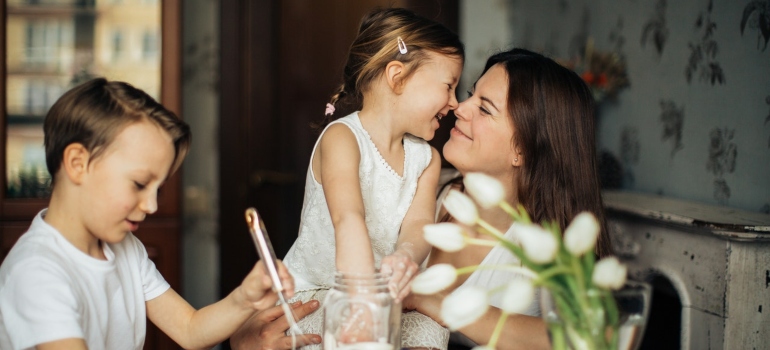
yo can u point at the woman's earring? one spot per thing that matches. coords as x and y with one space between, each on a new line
516 160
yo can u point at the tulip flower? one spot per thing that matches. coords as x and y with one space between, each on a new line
486 190
609 273
580 236
435 279
539 245
445 236
464 306
461 207
517 296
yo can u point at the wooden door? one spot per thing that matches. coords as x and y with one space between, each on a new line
280 62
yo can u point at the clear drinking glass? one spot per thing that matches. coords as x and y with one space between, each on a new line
360 313
568 329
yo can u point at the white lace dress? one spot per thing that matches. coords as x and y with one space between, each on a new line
387 197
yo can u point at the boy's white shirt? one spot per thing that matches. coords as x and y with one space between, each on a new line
50 290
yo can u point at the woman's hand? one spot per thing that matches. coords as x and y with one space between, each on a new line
267 329
402 268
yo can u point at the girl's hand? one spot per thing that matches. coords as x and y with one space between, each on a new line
256 289
428 305
402 269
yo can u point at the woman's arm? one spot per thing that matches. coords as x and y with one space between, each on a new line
519 331
338 174
411 247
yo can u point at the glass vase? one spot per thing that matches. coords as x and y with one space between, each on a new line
360 313
599 320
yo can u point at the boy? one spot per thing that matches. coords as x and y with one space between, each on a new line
78 278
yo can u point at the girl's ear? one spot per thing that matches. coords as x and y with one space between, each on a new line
75 162
394 74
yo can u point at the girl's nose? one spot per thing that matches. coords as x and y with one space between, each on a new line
150 204
453 103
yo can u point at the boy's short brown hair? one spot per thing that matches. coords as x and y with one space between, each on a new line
95 112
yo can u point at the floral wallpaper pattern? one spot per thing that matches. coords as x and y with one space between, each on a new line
707 58
703 51
672 118
656 29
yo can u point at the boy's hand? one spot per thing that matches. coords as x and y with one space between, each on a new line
402 269
256 288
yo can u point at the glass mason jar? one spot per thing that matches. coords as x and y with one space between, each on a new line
360 313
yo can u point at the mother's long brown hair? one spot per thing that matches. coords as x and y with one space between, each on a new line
552 111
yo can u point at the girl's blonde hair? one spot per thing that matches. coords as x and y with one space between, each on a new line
377 44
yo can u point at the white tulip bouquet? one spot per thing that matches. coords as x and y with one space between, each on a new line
565 266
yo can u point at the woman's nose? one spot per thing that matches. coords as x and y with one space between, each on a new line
461 111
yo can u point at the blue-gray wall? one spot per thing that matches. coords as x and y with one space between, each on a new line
705 139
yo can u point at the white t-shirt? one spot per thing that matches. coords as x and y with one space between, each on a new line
50 290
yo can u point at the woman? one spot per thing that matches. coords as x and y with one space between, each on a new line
529 123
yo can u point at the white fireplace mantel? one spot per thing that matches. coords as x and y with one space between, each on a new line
717 259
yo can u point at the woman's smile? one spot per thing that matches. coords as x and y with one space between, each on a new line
456 131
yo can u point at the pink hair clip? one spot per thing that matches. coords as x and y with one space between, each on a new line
329 109
401 46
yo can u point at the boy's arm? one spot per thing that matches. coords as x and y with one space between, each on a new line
204 328
411 247
340 158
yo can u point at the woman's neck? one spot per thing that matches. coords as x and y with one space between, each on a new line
496 216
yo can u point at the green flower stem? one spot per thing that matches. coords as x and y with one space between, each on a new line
521 270
613 318
511 246
491 229
558 340
482 242
585 310
553 271
498 329
518 214
567 312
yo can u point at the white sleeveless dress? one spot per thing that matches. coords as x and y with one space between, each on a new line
386 196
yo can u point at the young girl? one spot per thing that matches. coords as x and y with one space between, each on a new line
372 177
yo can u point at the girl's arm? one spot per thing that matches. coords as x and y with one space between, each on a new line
411 247
204 328
64 344
519 331
339 158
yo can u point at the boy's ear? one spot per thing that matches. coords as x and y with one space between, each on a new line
75 162
394 74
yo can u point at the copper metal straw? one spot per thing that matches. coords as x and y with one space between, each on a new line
266 253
